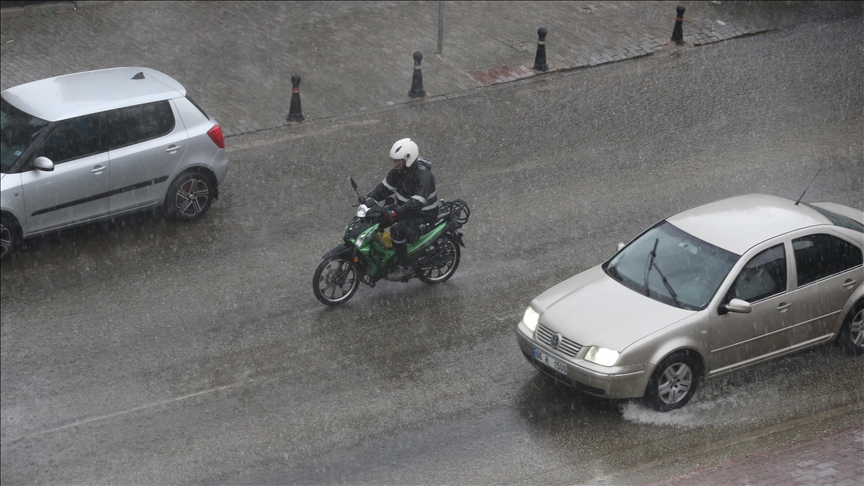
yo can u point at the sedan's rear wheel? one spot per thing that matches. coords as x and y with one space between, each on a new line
673 383
852 332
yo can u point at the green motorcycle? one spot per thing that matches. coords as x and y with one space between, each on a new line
367 255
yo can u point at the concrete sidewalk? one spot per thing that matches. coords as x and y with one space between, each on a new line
236 58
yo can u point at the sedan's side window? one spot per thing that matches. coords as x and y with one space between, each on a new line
73 139
819 256
136 124
763 276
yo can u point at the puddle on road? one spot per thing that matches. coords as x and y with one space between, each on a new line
802 384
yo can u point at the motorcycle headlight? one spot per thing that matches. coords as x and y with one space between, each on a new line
602 356
531 319
361 211
360 240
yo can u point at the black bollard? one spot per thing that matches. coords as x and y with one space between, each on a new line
540 58
678 31
295 114
417 90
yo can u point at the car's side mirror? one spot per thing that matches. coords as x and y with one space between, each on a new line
43 163
737 306
620 246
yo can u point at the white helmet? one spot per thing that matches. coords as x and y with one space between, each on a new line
405 149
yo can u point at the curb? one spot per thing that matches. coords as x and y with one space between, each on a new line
48 8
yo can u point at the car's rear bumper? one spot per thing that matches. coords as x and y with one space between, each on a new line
220 166
614 382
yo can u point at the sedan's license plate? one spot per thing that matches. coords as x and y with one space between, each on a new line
549 361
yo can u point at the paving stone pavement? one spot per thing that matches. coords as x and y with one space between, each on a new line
236 58
836 459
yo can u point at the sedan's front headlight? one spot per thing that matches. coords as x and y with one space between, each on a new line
602 356
531 319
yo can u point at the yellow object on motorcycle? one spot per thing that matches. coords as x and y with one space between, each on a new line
385 239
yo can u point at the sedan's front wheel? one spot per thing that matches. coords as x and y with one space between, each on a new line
673 383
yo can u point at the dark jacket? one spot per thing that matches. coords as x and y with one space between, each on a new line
413 188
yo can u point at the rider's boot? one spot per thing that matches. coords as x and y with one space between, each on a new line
403 266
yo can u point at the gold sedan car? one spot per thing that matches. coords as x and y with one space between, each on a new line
701 294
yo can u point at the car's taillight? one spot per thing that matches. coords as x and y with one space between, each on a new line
215 134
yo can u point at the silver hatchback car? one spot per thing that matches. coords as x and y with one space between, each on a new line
93 145
701 294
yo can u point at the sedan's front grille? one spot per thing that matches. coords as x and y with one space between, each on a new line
565 345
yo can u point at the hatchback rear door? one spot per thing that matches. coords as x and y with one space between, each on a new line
147 143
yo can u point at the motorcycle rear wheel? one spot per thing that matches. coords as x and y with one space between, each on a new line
335 281
445 253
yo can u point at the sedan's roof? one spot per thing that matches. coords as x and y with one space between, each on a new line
79 94
738 223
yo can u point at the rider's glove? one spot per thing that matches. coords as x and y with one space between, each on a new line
389 216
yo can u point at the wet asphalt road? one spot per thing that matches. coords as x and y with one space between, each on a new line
148 352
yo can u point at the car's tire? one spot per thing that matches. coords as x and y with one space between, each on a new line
335 281
188 197
9 236
673 383
445 254
852 332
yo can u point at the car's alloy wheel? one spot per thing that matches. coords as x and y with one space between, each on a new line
444 259
852 332
188 197
673 383
335 281
8 238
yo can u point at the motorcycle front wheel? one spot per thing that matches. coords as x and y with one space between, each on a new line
335 281
440 260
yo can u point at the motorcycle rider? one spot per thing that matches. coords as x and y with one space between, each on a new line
412 184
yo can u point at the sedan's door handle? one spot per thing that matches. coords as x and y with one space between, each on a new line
172 149
849 283
98 169
783 306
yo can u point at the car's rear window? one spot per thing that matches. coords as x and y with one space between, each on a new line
839 219
199 108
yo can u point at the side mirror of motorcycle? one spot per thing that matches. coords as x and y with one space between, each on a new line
353 183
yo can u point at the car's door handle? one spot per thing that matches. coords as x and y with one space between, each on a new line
848 284
172 149
783 306
98 169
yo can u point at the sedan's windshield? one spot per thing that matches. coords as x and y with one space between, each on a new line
672 266
17 129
